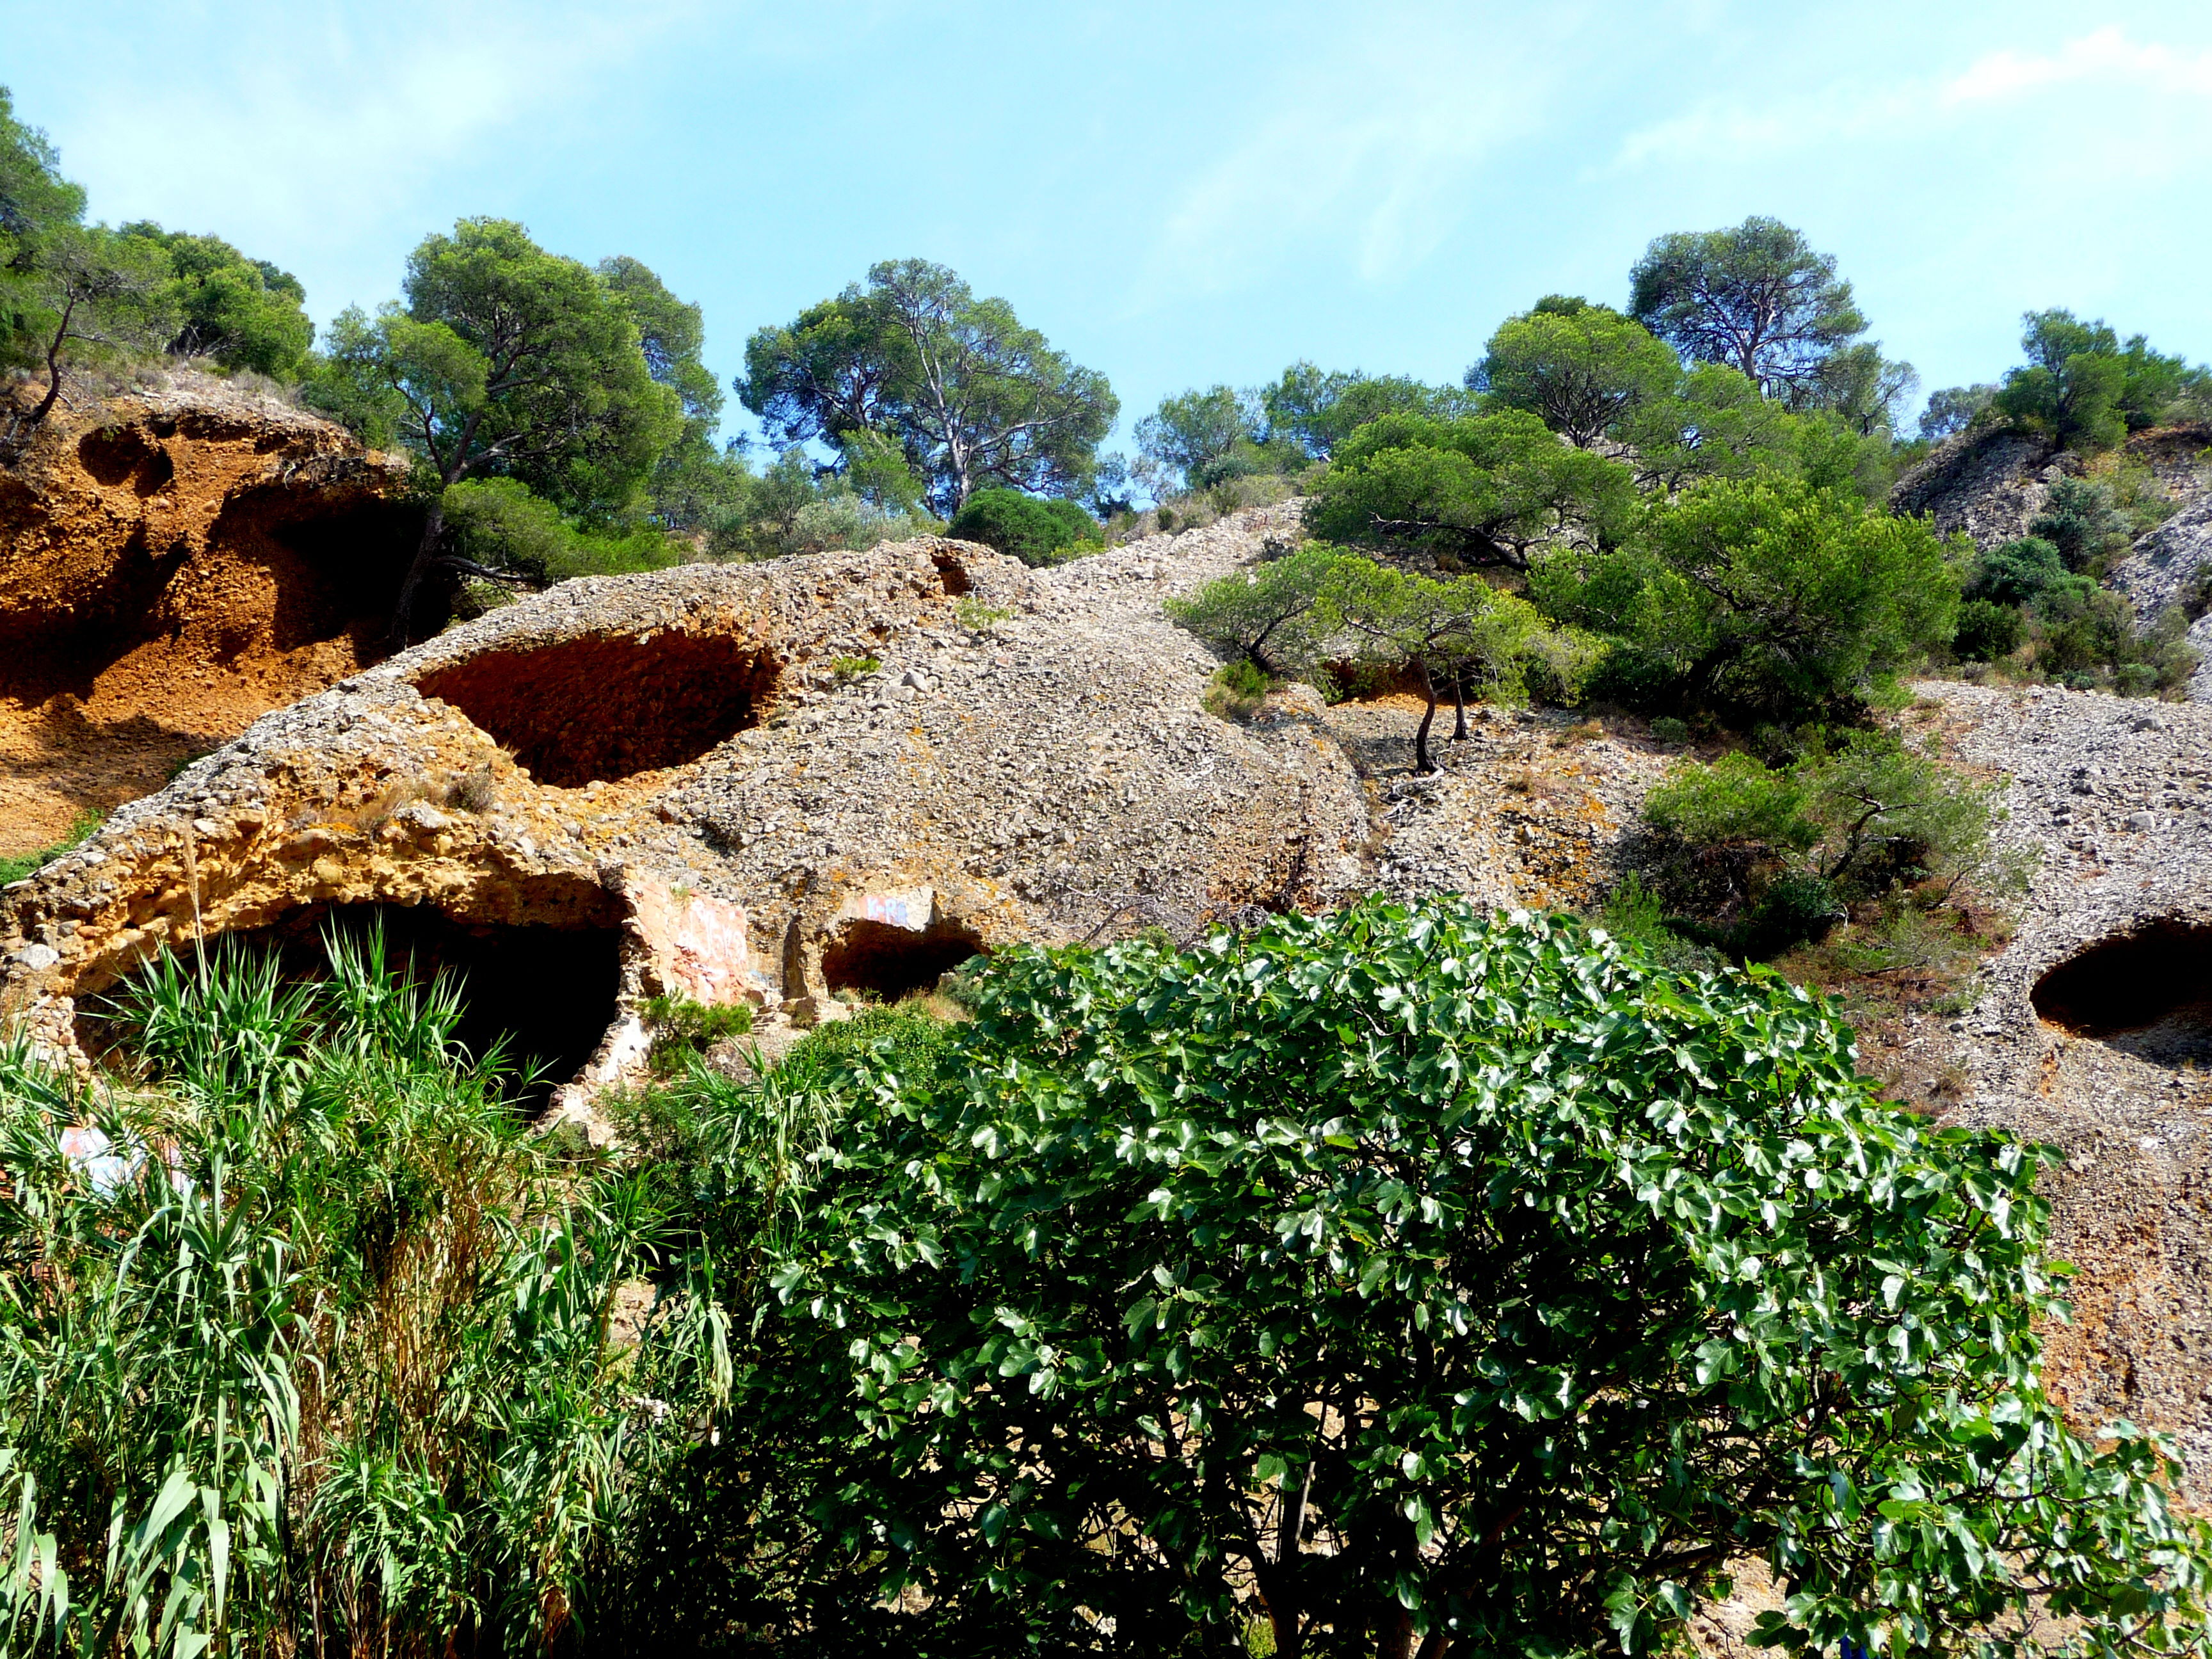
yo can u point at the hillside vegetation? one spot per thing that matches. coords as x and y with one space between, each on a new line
1393 1281
1401 1281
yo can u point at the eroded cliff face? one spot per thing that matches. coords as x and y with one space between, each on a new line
679 782
173 564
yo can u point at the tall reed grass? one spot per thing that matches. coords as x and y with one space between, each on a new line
322 1351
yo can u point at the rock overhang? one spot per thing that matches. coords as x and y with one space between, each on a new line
710 777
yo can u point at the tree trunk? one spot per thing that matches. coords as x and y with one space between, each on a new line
1459 706
1421 760
402 609
54 366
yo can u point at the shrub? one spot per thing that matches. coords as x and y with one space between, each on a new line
497 524
1763 858
682 1027
2078 519
1734 800
2087 636
1437 1248
1236 690
1667 729
1987 630
1037 529
1764 599
2016 573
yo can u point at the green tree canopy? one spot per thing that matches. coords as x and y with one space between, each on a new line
1277 615
1482 488
1952 409
93 293
1865 390
1764 596
1036 529
1315 409
1197 438
35 201
2085 388
68 290
1717 424
1424 1283
507 362
1757 297
969 394
245 313
1581 369
1452 633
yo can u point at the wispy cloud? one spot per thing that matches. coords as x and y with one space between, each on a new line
2106 60
1364 161
2107 56
323 125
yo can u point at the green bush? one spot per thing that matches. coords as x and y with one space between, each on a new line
1038 530
2079 519
682 1027
498 523
1762 598
2085 636
1987 630
1469 1237
1734 800
1236 690
2016 573
1762 858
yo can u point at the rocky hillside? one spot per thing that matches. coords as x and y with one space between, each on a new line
822 778
173 564
1991 486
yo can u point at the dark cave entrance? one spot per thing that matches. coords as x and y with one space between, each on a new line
547 993
2149 991
598 709
888 962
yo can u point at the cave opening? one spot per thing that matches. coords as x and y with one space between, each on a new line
601 708
2148 989
887 963
547 993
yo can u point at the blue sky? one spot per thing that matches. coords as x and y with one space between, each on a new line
1177 193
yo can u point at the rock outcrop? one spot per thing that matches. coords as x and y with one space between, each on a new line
175 563
1986 484
844 773
2093 1030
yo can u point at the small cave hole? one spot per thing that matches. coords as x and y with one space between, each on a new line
120 454
2149 990
601 708
547 993
952 574
888 962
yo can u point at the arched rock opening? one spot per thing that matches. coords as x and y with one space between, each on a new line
600 708
888 962
2152 986
547 993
